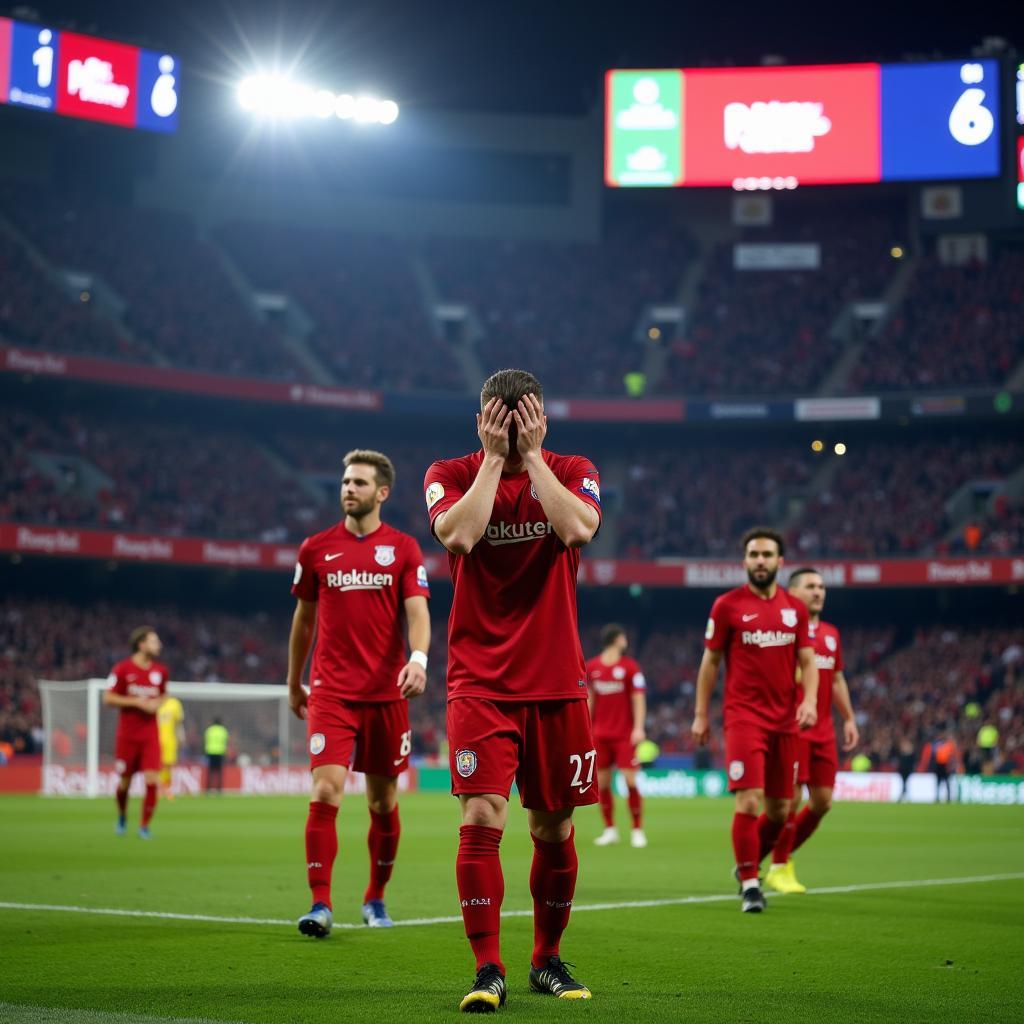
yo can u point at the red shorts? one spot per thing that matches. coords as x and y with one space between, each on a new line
546 747
139 753
760 758
615 753
373 738
819 763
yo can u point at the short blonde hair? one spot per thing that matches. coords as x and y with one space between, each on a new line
381 463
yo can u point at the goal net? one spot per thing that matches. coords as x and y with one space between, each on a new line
266 745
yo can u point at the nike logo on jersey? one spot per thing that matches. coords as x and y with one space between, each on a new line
331 558
583 789
398 762
750 618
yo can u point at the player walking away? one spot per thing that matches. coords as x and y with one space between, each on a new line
137 687
819 757
618 710
357 584
513 517
762 632
906 761
169 721
215 747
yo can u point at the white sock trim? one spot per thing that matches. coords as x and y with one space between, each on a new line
750 883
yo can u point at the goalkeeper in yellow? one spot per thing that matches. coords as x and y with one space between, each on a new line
169 720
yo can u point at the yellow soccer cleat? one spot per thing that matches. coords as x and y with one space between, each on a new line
777 878
795 886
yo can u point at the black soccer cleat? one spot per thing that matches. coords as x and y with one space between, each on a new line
753 901
554 979
487 993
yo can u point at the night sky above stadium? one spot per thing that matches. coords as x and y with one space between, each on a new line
522 56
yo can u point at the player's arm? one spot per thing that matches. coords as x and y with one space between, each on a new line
841 699
300 640
707 676
807 712
151 705
574 521
461 527
638 698
412 680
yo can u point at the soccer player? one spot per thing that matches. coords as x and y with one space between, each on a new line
357 585
137 687
169 721
819 758
618 710
513 517
762 632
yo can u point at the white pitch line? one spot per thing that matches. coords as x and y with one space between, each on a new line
680 901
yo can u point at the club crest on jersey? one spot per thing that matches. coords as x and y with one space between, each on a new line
435 492
154 677
384 554
465 762
830 642
789 617
421 577
317 742
736 769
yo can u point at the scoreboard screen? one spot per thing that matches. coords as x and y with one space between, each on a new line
88 78
777 127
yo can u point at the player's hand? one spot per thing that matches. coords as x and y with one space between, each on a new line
492 427
412 680
298 701
806 715
151 705
637 736
851 734
531 425
700 730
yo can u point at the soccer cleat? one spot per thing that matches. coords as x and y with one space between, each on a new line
487 993
753 901
317 922
780 877
375 914
144 832
791 874
637 839
609 836
121 828
554 979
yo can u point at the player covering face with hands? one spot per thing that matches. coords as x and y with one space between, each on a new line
763 635
361 590
513 517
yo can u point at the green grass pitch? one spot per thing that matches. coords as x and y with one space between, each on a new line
945 953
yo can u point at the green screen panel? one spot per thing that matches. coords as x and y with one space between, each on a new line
644 139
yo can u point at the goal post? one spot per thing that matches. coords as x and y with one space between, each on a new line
267 743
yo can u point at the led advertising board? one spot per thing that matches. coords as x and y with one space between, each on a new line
777 127
88 78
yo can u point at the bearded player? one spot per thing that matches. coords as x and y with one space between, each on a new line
618 710
819 758
763 634
357 586
513 517
137 687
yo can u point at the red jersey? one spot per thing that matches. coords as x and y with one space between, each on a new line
360 585
130 680
513 633
613 687
828 653
760 638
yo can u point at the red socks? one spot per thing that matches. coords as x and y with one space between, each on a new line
383 843
321 849
636 806
122 802
148 804
806 822
481 890
607 807
552 885
768 832
745 844
784 844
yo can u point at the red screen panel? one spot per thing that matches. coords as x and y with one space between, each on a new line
819 124
5 57
97 79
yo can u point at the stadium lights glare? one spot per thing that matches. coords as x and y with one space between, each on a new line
278 97
840 448
817 446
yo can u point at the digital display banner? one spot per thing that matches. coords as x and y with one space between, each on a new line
87 78
779 127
